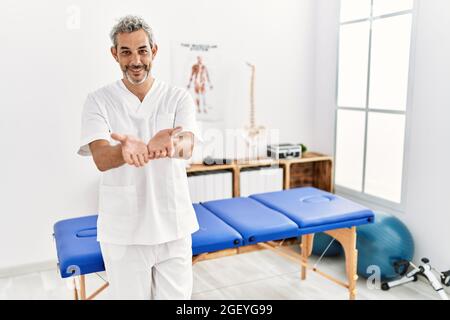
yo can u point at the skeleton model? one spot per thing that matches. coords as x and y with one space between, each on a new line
252 131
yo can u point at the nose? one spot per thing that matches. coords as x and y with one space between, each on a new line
135 60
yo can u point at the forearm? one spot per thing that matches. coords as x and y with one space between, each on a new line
183 145
107 157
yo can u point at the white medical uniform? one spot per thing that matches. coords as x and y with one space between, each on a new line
146 216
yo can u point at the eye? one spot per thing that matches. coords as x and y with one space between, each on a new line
143 51
125 53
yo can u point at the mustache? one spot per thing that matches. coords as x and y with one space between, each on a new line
137 67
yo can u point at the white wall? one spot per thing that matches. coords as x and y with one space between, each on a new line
48 69
427 212
326 49
428 208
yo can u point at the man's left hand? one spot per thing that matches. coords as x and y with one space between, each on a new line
162 143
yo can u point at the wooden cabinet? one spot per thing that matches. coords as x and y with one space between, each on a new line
312 170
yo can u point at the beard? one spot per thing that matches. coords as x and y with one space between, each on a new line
127 70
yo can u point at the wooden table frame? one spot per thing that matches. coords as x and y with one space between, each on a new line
346 236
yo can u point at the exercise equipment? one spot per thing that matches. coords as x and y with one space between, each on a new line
410 272
381 244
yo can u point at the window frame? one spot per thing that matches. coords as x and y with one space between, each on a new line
361 196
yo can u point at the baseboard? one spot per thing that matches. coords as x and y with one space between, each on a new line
27 268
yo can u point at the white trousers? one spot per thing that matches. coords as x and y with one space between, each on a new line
144 272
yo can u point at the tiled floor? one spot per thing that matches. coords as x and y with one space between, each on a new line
256 275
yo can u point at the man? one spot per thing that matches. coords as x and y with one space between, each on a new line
139 130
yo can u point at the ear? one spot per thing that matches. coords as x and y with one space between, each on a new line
154 50
114 53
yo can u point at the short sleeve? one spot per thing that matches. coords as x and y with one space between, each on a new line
94 126
185 116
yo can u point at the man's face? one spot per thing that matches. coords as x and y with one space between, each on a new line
134 55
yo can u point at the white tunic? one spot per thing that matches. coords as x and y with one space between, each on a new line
151 204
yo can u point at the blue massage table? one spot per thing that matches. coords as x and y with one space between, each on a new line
233 226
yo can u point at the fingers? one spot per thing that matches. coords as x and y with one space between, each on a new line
141 160
135 160
119 137
127 159
170 150
158 153
134 151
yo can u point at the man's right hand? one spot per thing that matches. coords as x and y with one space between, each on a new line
134 151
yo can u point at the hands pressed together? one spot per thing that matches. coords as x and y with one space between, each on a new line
136 152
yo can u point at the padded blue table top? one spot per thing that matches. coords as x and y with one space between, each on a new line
224 224
254 221
77 247
311 207
79 252
214 234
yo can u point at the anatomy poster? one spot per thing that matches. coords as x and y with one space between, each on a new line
195 68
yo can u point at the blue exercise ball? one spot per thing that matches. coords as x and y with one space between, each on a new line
322 241
381 244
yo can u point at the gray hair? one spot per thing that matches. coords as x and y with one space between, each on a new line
130 24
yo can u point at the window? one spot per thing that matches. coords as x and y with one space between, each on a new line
372 89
